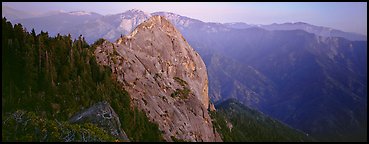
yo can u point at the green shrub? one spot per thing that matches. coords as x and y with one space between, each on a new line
23 126
180 81
181 93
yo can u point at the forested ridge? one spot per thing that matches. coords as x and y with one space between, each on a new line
238 123
49 79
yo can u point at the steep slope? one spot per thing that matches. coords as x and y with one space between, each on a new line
231 79
165 77
320 83
319 80
237 122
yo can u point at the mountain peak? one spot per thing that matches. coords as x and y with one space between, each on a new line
134 10
135 14
301 23
155 28
166 13
158 21
154 22
165 77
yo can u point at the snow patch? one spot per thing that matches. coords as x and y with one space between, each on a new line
79 13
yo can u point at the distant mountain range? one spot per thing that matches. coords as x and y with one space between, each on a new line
112 26
317 30
312 78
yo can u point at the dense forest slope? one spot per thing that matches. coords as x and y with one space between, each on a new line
237 122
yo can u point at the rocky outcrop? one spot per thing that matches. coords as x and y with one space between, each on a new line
165 77
104 116
212 107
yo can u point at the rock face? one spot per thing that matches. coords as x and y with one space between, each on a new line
104 116
212 107
165 77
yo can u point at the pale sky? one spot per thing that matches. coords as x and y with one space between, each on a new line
346 16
